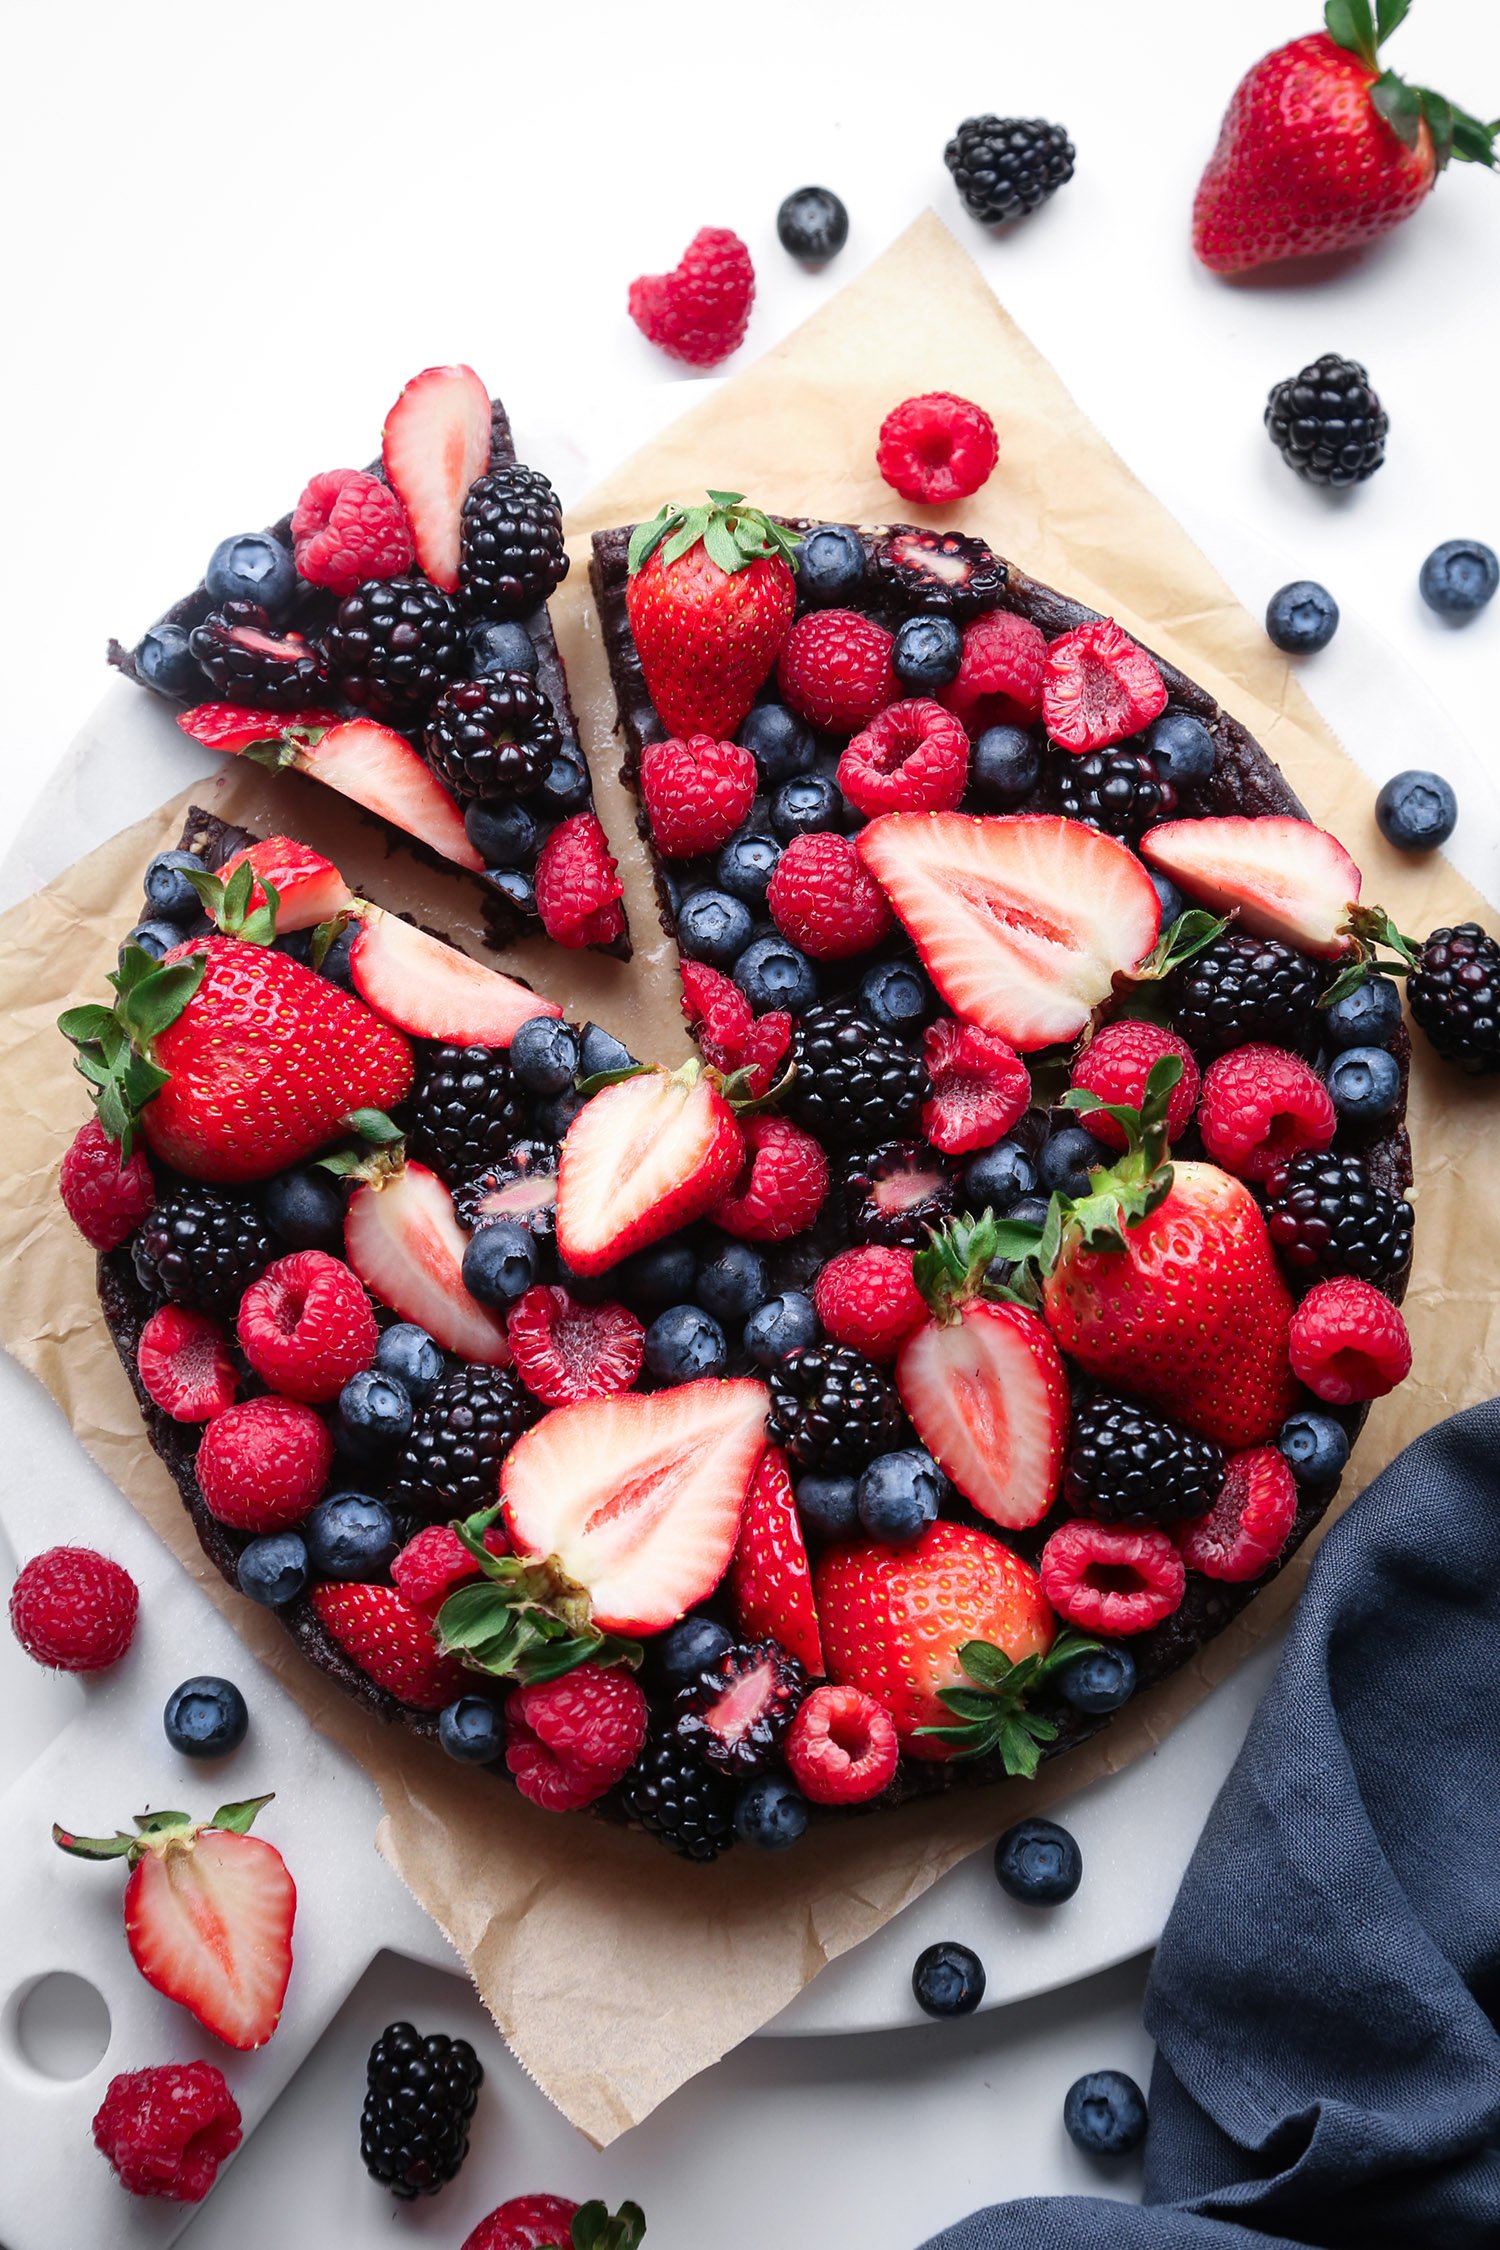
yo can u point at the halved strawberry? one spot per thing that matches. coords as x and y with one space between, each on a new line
309 888
436 442
1282 877
390 1641
637 1498
769 1579
404 1242
184 1363
1023 920
432 990
988 1398
641 1159
233 727
380 771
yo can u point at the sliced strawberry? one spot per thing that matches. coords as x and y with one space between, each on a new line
1282 877
769 1579
641 1159
432 990
309 888
979 1086
436 442
184 1363
638 1497
234 727
988 1398
407 1247
1023 920
380 771
390 1641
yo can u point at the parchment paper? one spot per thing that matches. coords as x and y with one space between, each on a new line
615 1971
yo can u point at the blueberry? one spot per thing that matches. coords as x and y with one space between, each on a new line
1459 577
997 1178
1302 617
812 224
155 938
783 1324
1098 1683
500 1263
830 566
409 1354
665 1274
948 1980
770 1814
515 887
1006 765
1365 1083
732 1282
1066 1158
1030 1211
829 1506
166 663
713 927
897 998
806 804
1038 1863
771 973
691 1647
781 744
503 834
556 1113
501 648
683 1343
350 1535
1181 747
544 1054
565 787
599 1049
252 567
206 1717
1105 2114
1416 810
1169 897
335 962
1315 1447
927 653
898 1496
306 1208
374 1414
1366 1017
472 1731
745 866
273 1570
169 895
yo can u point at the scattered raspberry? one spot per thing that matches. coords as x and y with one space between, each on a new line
73 1610
912 757
842 1748
349 527
781 1185
1250 1522
105 1199
1259 1107
999 681
569 1740
564 1351
937 448
527 2222
307 1325
1348 1342
868 1300
835 669
1116 1064
184 1363
263 1463
390 1641
578 887
980 1086
167 2130
824 898
436 1562
729 1033
1098 685
1111 1578
239 726
699 312
697 792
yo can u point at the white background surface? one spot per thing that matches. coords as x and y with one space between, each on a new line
230 237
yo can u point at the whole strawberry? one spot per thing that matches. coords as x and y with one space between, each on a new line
710 598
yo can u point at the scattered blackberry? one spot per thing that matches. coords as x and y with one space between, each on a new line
736 1713
939 570
854 1086
419 2099
1327 423
898 1192
672 1795
1118 790
465 1109
1004 167
394 646
203 1247
513 553
1125 1465
522 1186
249 663
448 1465
495 737
832 1408
1325 1215
1454 996
1241 989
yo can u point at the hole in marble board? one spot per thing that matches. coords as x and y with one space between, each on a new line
60 2025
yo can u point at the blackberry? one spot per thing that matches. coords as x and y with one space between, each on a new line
448 1465
854 1086
1325 1215
419 2099
1327 423
832 1408
895 1194
394 644
495 737
249 663
1118 790
465 1109
1454 996
512 553
522 1186
1241 989
939 570
1004 167
736 1713
676 1798
1126 1465
202 1247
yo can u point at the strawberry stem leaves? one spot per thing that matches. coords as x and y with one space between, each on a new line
227 905
523 1620
594 2229
1406 108
1371 928
733 535
114 1043
160 1832
993 1714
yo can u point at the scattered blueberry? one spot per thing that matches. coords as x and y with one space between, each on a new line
665 1274
409 1354
898 1496
501 648
1067 1157
927 653
1168 896
1181 747
812 224
745 866
516 887
374 1413
771 973
306 1208
691 1647
713 927
829 1506
1416 811
502 832
683 1343
1459 577
897 998
997 1178
1030 1211
830 566
601 1050
252 567
806 804
783 1324
1105 2114
335 962
566 787
544 1054
948 1980
845 814
500 1263
350 1536
155 938
1006 765
1367 1016
556 1112
1365 1083
166 663
169 894
1315 1447
781 744
770 1813
1098 1683
732 1281
1038 1863
472 1731
206 1717
273 1570
1302 617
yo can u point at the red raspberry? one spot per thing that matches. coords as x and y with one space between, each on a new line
700 310
73 1610
1116 1064
578 887
842 1748
167 2130
781 1185
1250 1522
824 898
999 681
527 2222
730 1035
1098 685
980 1086
912 757
436 1562
349 527
105 1199
1259 1107
868 1300
697 792
937 448
307 1325
183 1361
1112 1578
1348 1342
570 1740
835 669
565 1351
263 1463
